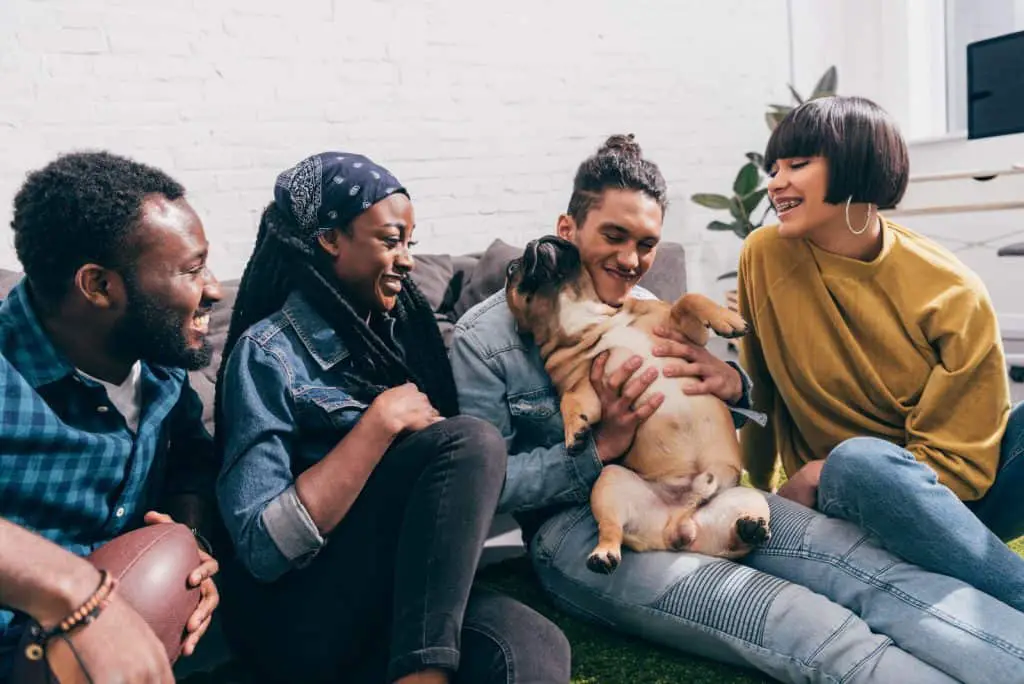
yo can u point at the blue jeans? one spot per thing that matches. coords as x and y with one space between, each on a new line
885 491
820 602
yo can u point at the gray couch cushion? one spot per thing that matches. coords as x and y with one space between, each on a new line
433 275
667 277
488 277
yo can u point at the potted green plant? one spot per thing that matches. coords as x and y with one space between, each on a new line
747 205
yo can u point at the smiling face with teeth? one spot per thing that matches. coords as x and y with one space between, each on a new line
169 289
617 240
797 189
371 257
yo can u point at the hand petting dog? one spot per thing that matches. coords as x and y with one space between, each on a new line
620 414
715 377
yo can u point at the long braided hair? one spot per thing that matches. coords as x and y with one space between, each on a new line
287 257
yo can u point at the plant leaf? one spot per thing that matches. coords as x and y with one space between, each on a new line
753 200
727 275
796 95
773 119
711 200
757 158
781 108
743 231
826 86
720 225
737 210
746 180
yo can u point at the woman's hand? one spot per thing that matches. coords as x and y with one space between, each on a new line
803 486
620 414
404 408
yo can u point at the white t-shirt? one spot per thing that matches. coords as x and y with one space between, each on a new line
126 397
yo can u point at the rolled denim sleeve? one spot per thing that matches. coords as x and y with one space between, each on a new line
537 478
271 529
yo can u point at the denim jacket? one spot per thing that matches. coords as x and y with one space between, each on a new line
288 400
500 378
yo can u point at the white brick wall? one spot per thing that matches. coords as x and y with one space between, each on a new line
482 109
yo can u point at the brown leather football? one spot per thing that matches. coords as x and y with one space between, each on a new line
152 565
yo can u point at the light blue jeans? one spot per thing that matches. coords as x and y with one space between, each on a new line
885 491
822 601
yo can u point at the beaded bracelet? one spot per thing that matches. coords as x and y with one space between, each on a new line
81 616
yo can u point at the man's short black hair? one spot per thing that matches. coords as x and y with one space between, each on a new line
81 208
867 156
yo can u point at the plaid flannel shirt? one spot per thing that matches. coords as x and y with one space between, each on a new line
70 469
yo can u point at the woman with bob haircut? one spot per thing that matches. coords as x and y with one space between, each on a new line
877 354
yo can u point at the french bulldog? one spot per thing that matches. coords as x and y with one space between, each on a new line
676 487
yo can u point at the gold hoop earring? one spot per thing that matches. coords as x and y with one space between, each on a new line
867 222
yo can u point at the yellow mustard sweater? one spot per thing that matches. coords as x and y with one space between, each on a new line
905 348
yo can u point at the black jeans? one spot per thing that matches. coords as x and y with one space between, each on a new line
390 592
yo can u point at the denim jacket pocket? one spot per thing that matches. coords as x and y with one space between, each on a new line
330 407
536 417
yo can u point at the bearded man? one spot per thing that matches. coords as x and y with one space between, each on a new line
100 431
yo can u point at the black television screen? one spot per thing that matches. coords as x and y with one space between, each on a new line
995 86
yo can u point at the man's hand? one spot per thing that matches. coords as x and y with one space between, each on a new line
803 486
713 375
199 622
118 646
620 416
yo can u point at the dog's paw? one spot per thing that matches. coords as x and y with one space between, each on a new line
704 485
576 434
728 324
753 531
604 561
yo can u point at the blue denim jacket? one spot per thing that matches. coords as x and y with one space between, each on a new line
288 400
500 378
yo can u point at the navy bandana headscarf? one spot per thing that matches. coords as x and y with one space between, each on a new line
330 189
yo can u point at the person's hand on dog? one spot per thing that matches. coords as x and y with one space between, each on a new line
620 413
713 375
803 486
405 408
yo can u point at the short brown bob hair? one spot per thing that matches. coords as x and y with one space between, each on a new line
867 156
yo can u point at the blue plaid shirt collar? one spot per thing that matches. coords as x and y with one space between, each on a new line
32 353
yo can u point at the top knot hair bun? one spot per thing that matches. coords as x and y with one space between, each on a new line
626 145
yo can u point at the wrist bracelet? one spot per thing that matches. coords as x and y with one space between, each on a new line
81 616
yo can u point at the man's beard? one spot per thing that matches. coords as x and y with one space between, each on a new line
155 333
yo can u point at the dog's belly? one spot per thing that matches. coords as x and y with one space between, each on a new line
686 431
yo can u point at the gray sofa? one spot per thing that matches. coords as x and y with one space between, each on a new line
452 285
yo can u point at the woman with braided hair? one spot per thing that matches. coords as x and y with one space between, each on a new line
357 499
